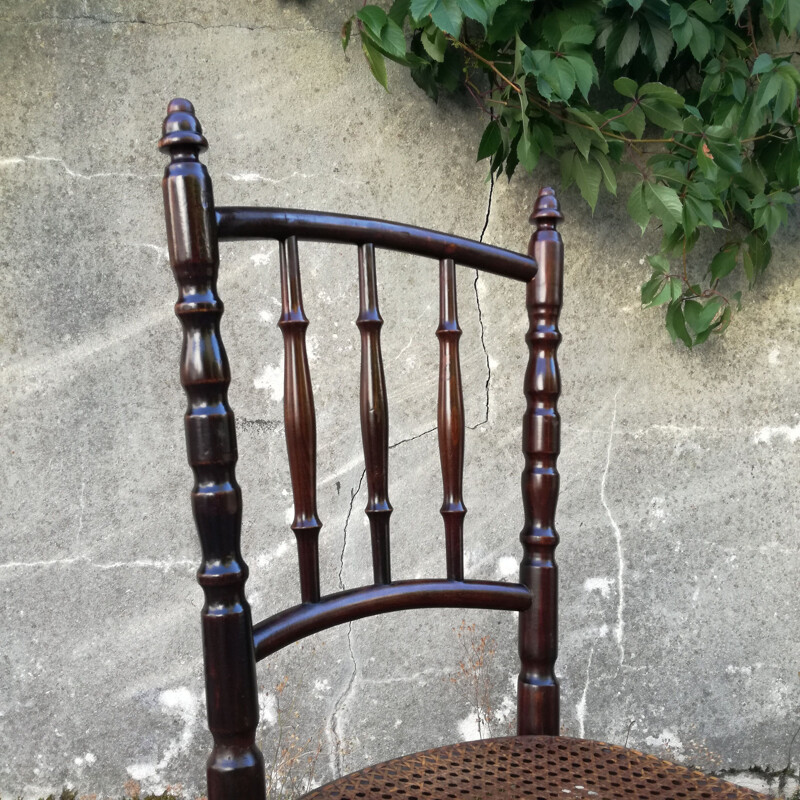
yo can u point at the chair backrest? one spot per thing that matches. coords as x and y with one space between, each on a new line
232 644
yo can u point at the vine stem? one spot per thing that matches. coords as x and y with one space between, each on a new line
490 64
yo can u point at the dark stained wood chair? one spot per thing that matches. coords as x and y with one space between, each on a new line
537 763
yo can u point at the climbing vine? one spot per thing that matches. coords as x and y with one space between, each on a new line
695 99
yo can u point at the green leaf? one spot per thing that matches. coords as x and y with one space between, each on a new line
677 14
724 262
666 94
435 47
738 7
762 64
635 4
637 207
347 29
474 9
420 9
635 121
609 178
392 39
661 114
676 324
663 202
700 40
626 86
374 18
399 11
651 289
629 44
578 34
585 74
490 141
582 139
659 263
528 151
588 177
376 61
561 76
657 41
447 16
705 10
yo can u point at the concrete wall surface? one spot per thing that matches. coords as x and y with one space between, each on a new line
679 505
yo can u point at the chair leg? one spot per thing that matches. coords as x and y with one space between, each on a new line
537 686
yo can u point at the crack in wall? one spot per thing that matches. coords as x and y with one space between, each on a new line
485 420
620 627
333 732
412 438
163 24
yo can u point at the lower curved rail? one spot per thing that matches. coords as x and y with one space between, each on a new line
302 620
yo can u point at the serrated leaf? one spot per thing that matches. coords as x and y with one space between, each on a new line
663 202
762 64
676 324
626 86
666 94
376 61
651 288
738 7
474 9
374 18
392 39
659 263
435 47
705 10
637 207
661 114
588 177
584 74
629 44
399 11
635 4
657 41
724 262
609 178
677 14
700 40
528 151
582 139
490 141
561 76
577 34
447 16
420 9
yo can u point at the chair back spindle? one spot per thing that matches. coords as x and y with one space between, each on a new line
537 686
300 421
450 419
374 415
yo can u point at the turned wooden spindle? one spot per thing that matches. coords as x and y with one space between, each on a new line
235 766
537 687
301 426
374 415
450 418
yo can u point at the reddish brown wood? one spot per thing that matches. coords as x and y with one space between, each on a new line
450 419
235 766
537 687
300 422
241 222
374 415
300 621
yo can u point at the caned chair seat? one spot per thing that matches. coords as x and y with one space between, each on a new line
536 763
534 767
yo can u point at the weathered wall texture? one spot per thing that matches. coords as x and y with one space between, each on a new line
679 508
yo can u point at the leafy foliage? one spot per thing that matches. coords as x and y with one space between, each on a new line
696 99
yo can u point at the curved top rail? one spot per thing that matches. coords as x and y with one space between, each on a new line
250 222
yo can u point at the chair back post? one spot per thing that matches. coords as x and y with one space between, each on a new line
537 687
235 766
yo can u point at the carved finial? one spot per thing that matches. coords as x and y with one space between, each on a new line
546 207
181 129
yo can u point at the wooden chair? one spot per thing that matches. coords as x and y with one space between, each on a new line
537 763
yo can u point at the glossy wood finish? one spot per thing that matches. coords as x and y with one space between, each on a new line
300 621
232 644
235 766
537 687
450 420
300 421
237 223
374 415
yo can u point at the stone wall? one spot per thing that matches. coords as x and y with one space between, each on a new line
679 507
